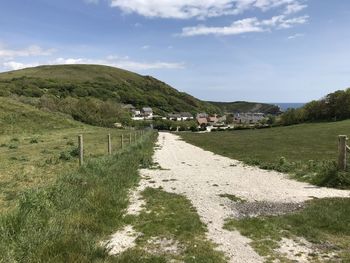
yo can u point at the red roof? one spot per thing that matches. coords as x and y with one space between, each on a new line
202 121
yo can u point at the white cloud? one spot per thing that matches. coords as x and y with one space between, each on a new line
145 47
114 61
121 62
26 52
185 9
294 8
247 25
13 65
295 36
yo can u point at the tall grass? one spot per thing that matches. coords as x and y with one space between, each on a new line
64 222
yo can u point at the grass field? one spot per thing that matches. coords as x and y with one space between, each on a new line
37 146
303 150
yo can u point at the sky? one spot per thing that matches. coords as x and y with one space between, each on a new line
219 50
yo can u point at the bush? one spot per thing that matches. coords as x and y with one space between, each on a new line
65 156
13 146
34 140
74 152
330 176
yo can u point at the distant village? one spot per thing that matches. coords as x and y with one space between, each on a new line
203 120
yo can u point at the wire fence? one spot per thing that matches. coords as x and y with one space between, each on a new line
112 143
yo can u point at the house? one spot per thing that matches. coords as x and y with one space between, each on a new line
129 107
135 112
183 116
174 117
202 122
248 117
213 119
202 115
222 119
186 116
147 112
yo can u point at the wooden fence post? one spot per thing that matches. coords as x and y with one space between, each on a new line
109 144
81 150
130 138
122 141
342 152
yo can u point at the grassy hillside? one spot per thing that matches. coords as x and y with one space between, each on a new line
100 82
243 106
18 118
306 150
37 146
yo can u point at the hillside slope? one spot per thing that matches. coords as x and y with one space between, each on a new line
100 82
18 118
243 106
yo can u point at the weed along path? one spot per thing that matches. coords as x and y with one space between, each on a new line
215 185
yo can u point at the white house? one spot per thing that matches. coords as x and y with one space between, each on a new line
147 113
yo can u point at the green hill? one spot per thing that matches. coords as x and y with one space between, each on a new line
101 82
244 106
18 118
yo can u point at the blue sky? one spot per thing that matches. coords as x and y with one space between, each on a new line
223 50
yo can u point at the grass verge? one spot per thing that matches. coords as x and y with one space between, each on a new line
171 218
65 221
324 222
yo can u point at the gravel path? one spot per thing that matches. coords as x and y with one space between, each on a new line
202 176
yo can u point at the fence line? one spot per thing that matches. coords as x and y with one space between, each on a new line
81 149
343 148
109 144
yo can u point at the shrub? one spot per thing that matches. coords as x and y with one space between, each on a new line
71 143
13 146
74 152
330 176
34 140
65 156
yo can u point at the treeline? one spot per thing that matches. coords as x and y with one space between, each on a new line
335 106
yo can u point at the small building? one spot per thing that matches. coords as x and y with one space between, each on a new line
248 117
213 119
202 115
202 122
128 107
147 112
186 116
174 117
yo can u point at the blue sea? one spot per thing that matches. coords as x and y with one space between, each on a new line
285 106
